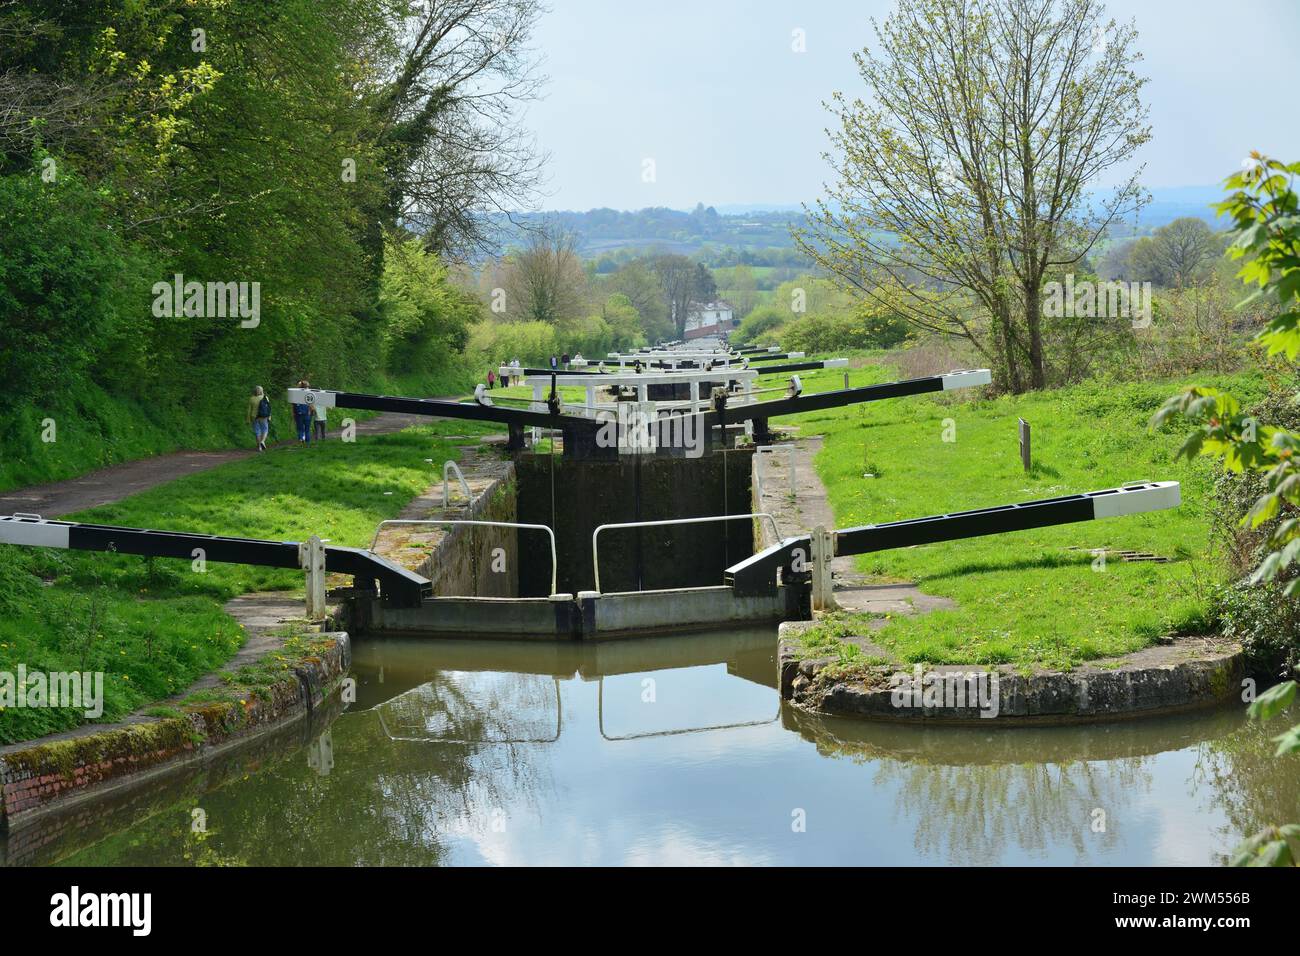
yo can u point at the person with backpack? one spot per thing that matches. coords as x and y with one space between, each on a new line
302 418
259 416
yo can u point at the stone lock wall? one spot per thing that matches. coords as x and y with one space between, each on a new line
473 561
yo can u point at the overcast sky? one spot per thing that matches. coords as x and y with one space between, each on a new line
713 93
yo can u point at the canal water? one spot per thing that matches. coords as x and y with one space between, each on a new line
679 751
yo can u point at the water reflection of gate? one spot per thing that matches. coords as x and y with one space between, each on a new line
480 692
678 731
443 709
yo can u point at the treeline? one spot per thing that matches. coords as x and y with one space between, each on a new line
812 314
605 232
200 197
544 300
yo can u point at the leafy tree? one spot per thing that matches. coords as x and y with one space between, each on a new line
425 317
60 292
966 177
761 320
641 286
1175 255
624 322
1265 211
705 286
679 281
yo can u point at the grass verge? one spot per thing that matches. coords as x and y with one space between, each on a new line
154 626
1031 598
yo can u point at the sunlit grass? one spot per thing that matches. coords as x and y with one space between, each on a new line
1024 597
153 626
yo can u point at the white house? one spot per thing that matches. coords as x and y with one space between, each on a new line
709 318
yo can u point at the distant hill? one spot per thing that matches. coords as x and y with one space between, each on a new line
602 231
726 234
1170 203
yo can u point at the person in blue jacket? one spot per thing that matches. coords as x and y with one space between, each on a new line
302 418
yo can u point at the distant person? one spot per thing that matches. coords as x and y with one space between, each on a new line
516 372
565 359
492 378
259 416
319 421
555 363
577 359
302 418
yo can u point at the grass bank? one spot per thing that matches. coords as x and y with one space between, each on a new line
1034 597
154 626
87 428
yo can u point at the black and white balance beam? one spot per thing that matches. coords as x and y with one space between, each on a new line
396 583
757 574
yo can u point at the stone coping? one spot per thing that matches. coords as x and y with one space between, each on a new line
1180 674
48 775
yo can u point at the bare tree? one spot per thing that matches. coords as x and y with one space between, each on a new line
544 281
450 102
964 183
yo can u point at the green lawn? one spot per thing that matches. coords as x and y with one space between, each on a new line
154 626
91 428
1023 598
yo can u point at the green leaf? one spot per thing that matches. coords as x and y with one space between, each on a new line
1274 853
1273 701
1289 742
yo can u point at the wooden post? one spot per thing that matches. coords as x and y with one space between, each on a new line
311 555
823 550
1026 458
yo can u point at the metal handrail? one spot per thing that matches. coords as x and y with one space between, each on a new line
490 524
460 476
595 556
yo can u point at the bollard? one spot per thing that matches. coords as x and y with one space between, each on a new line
822 551
311 557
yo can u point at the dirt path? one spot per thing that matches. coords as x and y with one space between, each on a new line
809 507
107 485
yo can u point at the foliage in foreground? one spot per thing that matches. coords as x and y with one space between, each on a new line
154 626
1265 210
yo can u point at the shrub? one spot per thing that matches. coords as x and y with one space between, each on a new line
830 332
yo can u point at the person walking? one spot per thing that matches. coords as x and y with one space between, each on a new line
555 363
302 418
492 378
319 421
565 359
259 416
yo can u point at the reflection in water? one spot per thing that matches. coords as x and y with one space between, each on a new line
973 813
677 750
470 708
